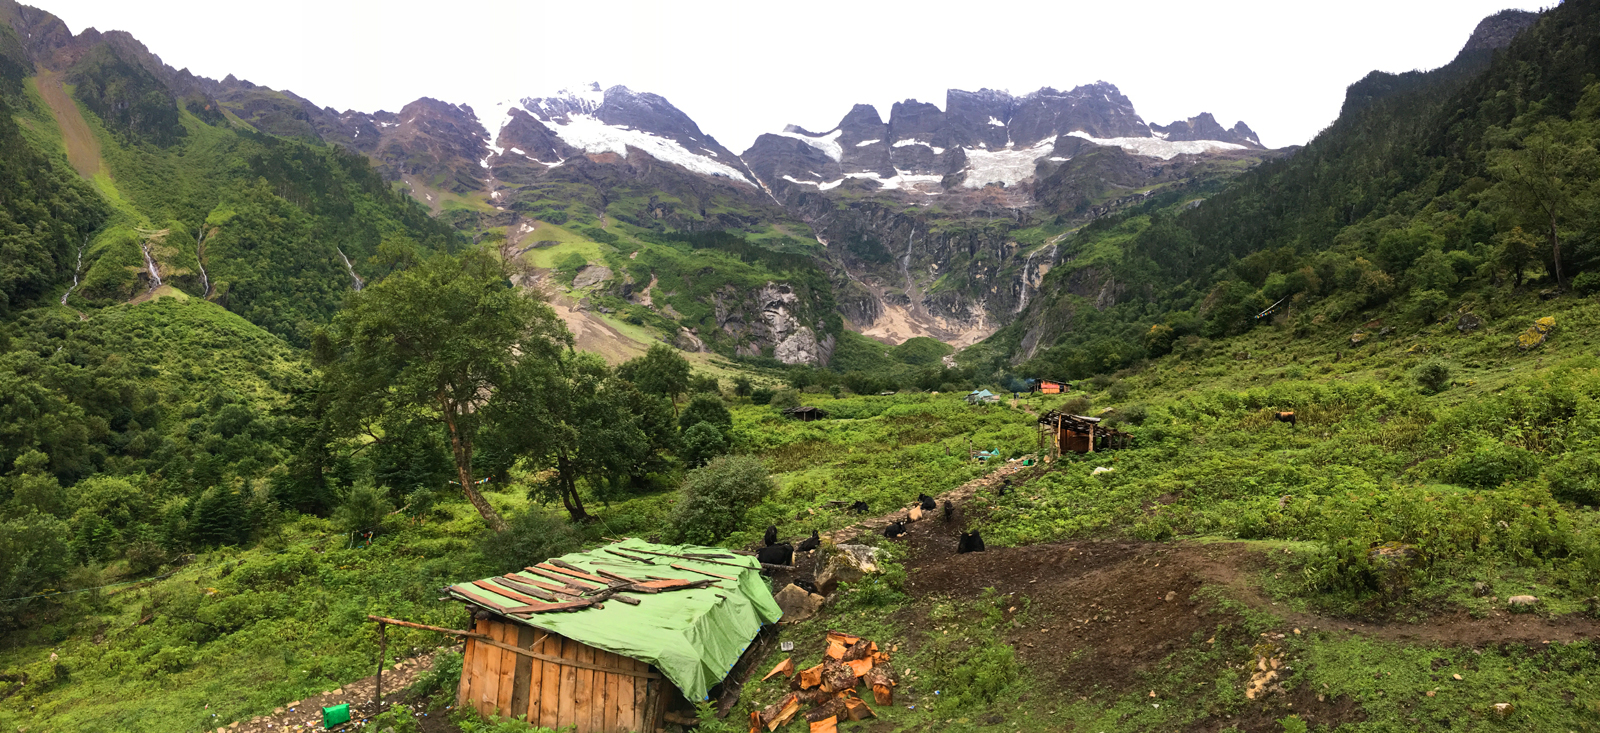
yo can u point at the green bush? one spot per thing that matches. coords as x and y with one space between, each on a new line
701 443
531 537
1586 283
1433 376
362 509
785 398
1485 463
761 396
706 408
714 499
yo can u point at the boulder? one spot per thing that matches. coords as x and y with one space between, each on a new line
845 564
797 604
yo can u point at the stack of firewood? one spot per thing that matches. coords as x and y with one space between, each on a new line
830 688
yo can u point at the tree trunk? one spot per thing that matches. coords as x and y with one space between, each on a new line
1555 251
569 491
461 448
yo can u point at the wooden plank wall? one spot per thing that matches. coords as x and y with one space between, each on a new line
499 682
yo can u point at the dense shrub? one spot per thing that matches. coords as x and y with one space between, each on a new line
715 499
1433 376
530 538
701 443
362 509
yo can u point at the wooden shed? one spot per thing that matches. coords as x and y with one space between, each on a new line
1067 433
1054 386
611 639
805 413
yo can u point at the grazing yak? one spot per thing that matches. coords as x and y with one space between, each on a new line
810 543
1287 417
859 507
970 542
776 554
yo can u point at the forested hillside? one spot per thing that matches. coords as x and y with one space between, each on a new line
251 392
1429 193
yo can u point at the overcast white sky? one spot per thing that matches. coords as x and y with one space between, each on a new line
747 67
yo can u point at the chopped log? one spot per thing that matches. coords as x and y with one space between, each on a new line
859 666
826 725
814 697
835 650
830 709
858 650
755 722
779 714
703 572
843 638
785 668
837 677
566 568
858 708
810 678
882 680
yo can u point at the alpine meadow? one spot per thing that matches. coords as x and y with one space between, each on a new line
1015 413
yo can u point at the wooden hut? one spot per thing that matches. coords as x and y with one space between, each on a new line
612 639
1068 433
804 413
1054 386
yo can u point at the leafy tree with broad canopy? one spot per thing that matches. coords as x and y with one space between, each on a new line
442 338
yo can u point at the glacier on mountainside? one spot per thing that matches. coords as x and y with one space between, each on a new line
1151 147
1007 165
593 136
828 144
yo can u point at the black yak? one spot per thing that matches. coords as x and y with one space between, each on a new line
970 542
776 554
927 503
771 537
810 543
894 530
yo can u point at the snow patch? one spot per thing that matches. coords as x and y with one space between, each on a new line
1156 148
518 151
1007 165
908 141
1159 134
996 121
865 143
593 136
828 144
1058 159
826 186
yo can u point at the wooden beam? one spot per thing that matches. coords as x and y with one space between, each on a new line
562 579
704 572
424 627
572 570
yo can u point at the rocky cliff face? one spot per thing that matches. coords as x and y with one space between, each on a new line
918 212
1496 31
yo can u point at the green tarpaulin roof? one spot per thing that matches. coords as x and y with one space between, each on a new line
693 636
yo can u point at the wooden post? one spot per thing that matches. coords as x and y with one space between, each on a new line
383 651
1091 437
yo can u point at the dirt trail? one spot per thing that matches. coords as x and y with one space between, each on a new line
307 714
958 495
83 149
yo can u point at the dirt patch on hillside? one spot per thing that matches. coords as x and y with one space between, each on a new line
1095 617
83 148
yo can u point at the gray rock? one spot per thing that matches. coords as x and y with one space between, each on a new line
797 604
